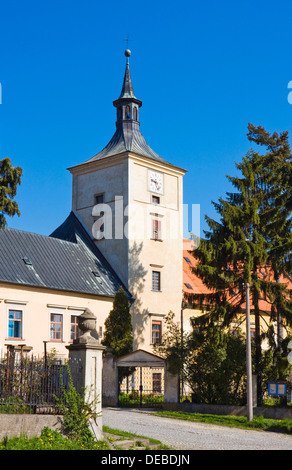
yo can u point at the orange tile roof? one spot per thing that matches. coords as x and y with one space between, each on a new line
197 285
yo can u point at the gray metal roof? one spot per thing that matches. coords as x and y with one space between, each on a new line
67 260
127 139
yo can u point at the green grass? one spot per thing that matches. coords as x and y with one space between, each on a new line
258 423
117 432
50 440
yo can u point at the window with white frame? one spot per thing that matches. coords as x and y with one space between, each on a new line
56 327
156 332
74 329
15 324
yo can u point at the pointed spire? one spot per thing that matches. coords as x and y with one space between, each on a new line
127 90
127 95
127 137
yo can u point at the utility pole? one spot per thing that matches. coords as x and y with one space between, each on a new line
248 359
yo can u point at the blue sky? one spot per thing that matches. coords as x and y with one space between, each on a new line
202 69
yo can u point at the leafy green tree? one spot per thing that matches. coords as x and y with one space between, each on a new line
174 346
211 362
216 369
10 178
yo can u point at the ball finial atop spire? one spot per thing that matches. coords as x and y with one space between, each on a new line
127 52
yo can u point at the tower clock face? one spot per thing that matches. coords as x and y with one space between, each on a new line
155 182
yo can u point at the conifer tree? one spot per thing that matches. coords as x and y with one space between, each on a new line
118 337
238 248
10 178
277 167
118 326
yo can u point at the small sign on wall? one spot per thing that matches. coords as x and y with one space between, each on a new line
277 389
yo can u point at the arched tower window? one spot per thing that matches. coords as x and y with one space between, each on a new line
128 112
135 114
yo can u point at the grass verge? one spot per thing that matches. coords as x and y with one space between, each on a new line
53 440
258 423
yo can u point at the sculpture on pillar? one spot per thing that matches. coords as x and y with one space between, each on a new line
87 324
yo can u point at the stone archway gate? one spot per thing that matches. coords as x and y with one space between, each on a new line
149 385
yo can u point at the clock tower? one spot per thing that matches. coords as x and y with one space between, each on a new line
130 200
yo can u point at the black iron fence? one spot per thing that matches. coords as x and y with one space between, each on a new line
32 385
143 389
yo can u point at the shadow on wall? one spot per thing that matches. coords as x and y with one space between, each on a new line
136 283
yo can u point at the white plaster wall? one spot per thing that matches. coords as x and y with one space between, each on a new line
111 179
37 305
164 256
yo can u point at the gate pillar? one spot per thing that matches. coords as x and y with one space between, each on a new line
110 381
88 352
170 387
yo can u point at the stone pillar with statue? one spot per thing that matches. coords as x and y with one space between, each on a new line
87 351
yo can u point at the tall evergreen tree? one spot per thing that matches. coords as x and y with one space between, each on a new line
242 244
277 167
10 178
118 326
118 337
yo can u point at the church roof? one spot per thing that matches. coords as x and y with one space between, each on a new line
67 260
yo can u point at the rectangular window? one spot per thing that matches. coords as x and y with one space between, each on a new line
15 324
155 200
156 382
156 281
99 219
156 332
99 198
74 332
156 229
56 327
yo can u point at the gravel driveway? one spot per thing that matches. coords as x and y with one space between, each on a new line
182 435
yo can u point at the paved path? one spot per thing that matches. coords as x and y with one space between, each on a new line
182 435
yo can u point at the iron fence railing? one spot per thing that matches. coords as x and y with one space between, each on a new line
33 386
